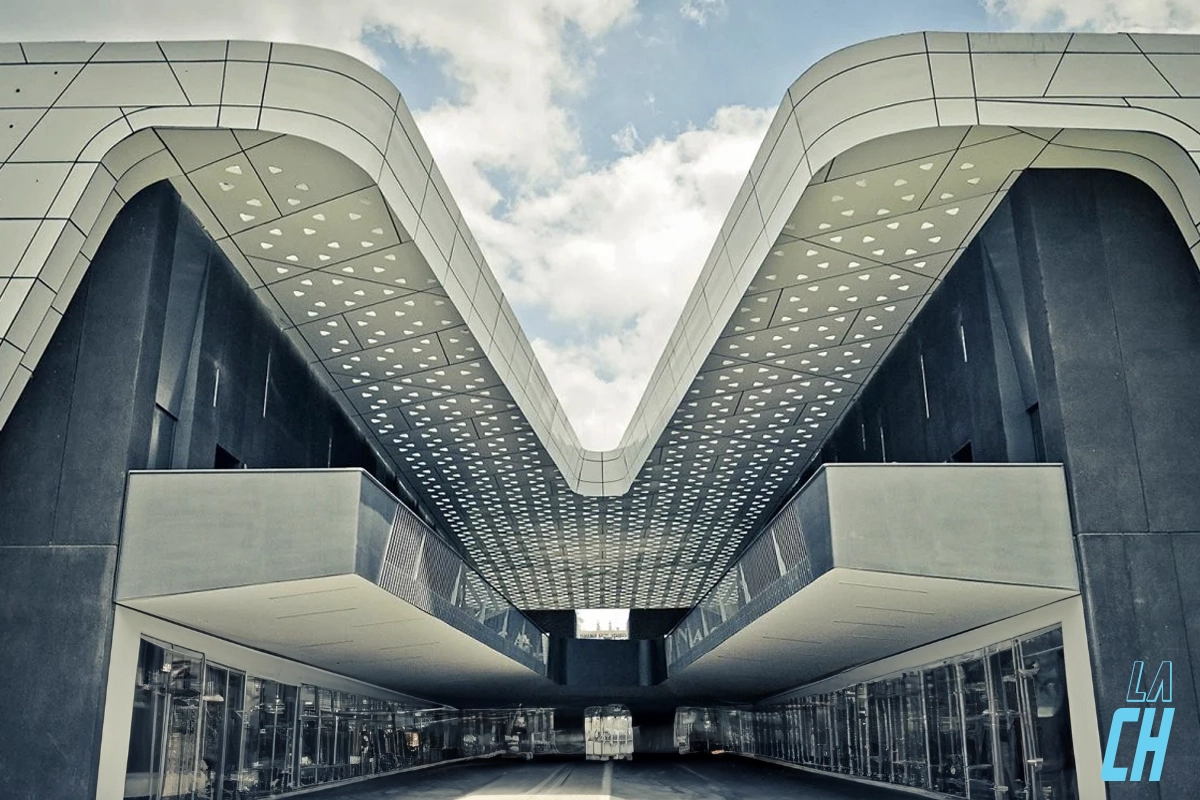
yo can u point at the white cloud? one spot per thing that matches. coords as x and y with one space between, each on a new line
337 25
627 139
1100 15
614 252
701 11
609 244
515 66
606 251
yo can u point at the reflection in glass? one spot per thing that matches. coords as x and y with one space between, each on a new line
267 738
993 723
212 741
1050 754
164 731
143 766
206 732
181 727
946 743
1007 745
231 766
978 718
912 733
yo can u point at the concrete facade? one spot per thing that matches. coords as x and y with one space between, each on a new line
950 247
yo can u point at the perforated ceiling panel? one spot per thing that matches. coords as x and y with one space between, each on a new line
857 258
880 165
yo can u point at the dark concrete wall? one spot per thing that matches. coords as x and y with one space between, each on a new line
1079 296
966 396
644 623
82 421
555 623
266 417
654 623
656 737
87 416
1114 306
586 664
249 391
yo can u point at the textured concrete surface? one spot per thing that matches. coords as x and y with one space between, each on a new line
685 778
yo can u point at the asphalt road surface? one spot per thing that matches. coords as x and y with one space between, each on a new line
697 778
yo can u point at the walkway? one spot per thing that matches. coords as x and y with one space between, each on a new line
687 778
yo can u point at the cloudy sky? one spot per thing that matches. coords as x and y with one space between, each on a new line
593 145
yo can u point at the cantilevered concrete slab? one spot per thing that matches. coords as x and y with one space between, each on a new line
872 560
327 568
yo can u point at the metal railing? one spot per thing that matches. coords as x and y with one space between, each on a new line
1001 523
421 568
319 522
750 585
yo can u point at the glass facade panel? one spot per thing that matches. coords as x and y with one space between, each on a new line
946 743
1046 736
183 683
235 709
215 702
207 732
992 723
145 735
309 737
979 718
1007 745
267 738
165 726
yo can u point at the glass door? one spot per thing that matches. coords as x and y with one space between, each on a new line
1048 751
979 722
346 754
143 767
181 685
946 742
214 702
310 731
268 735
913 761
220 739
1011 778
231 765
180 727
164 731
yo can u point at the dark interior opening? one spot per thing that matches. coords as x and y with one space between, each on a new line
226 460
1039 441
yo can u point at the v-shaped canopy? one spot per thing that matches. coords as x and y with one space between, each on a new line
881 164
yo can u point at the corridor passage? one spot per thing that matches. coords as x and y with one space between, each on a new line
648 778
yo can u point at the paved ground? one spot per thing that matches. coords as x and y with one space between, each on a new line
693 778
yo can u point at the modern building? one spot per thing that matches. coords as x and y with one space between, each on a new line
286 498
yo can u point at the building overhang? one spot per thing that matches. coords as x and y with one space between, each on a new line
872 560
323 567
881 164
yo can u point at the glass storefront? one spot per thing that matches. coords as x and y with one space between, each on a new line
993 723
165 733
202 731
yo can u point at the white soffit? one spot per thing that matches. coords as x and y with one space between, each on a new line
351 627
881 164
848 617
